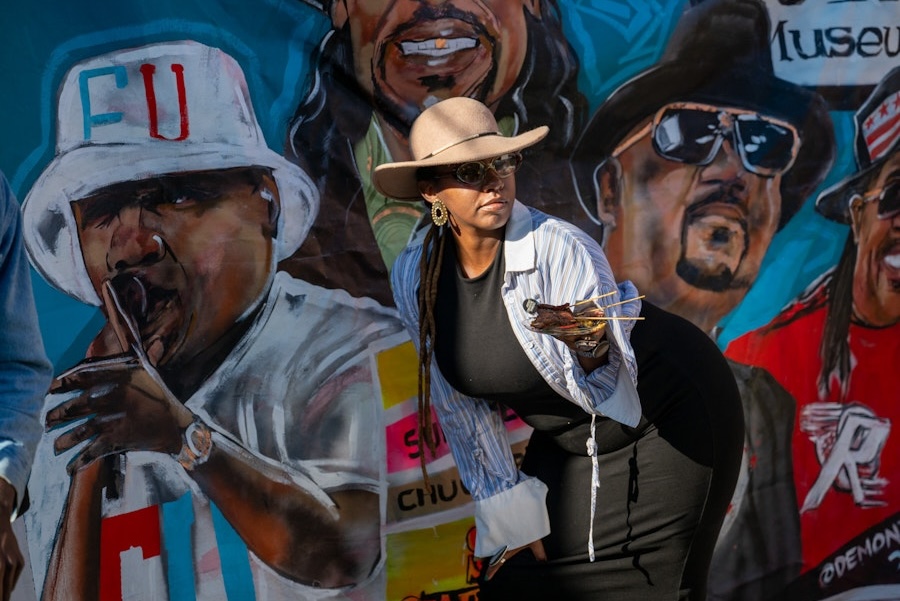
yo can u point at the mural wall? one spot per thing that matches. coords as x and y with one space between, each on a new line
211 257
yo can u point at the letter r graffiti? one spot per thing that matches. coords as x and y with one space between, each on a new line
858 444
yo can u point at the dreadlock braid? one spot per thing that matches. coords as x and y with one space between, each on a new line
834 350
429 272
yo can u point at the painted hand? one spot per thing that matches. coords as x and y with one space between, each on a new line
121 402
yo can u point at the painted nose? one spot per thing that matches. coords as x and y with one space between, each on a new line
132 243
727 164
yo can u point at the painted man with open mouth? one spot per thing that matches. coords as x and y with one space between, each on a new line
835 348
381 65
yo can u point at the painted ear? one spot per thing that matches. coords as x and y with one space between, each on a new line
856 206
609 191
268 191
533 7
339 14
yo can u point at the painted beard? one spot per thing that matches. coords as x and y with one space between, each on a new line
714 243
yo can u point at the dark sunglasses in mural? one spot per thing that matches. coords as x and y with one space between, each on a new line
888 199
692 133
175 191
475 172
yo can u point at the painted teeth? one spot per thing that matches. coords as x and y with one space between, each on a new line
437 47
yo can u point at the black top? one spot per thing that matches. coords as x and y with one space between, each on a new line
478 352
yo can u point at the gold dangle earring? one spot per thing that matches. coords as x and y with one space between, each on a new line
439 213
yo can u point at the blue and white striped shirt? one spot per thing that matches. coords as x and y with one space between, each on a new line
553 262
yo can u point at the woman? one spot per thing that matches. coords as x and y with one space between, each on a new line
623 488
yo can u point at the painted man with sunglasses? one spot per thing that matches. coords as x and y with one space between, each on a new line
691 168
706 178
836 349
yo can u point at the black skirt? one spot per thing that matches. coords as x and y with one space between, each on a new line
665 486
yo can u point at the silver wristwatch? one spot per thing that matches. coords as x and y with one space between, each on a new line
196 445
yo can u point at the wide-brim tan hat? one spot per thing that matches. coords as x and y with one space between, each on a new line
453 131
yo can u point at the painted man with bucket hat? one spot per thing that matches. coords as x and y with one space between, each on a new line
836 348
223 409
690 168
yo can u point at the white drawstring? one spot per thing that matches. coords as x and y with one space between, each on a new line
595 482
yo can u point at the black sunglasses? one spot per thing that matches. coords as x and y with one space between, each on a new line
475 172
692 133
888 199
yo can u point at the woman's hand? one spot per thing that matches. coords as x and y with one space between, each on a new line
585 343
591 350
537 549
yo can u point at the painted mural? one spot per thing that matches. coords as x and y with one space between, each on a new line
211 262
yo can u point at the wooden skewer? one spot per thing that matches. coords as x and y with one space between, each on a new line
627 300
587 300
605 318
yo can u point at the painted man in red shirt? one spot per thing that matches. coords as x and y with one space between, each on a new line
835 349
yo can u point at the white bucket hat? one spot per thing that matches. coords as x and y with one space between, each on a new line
143 112
455 130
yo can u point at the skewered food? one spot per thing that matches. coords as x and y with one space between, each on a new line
560 318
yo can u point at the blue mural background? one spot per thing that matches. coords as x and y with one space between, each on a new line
274 41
